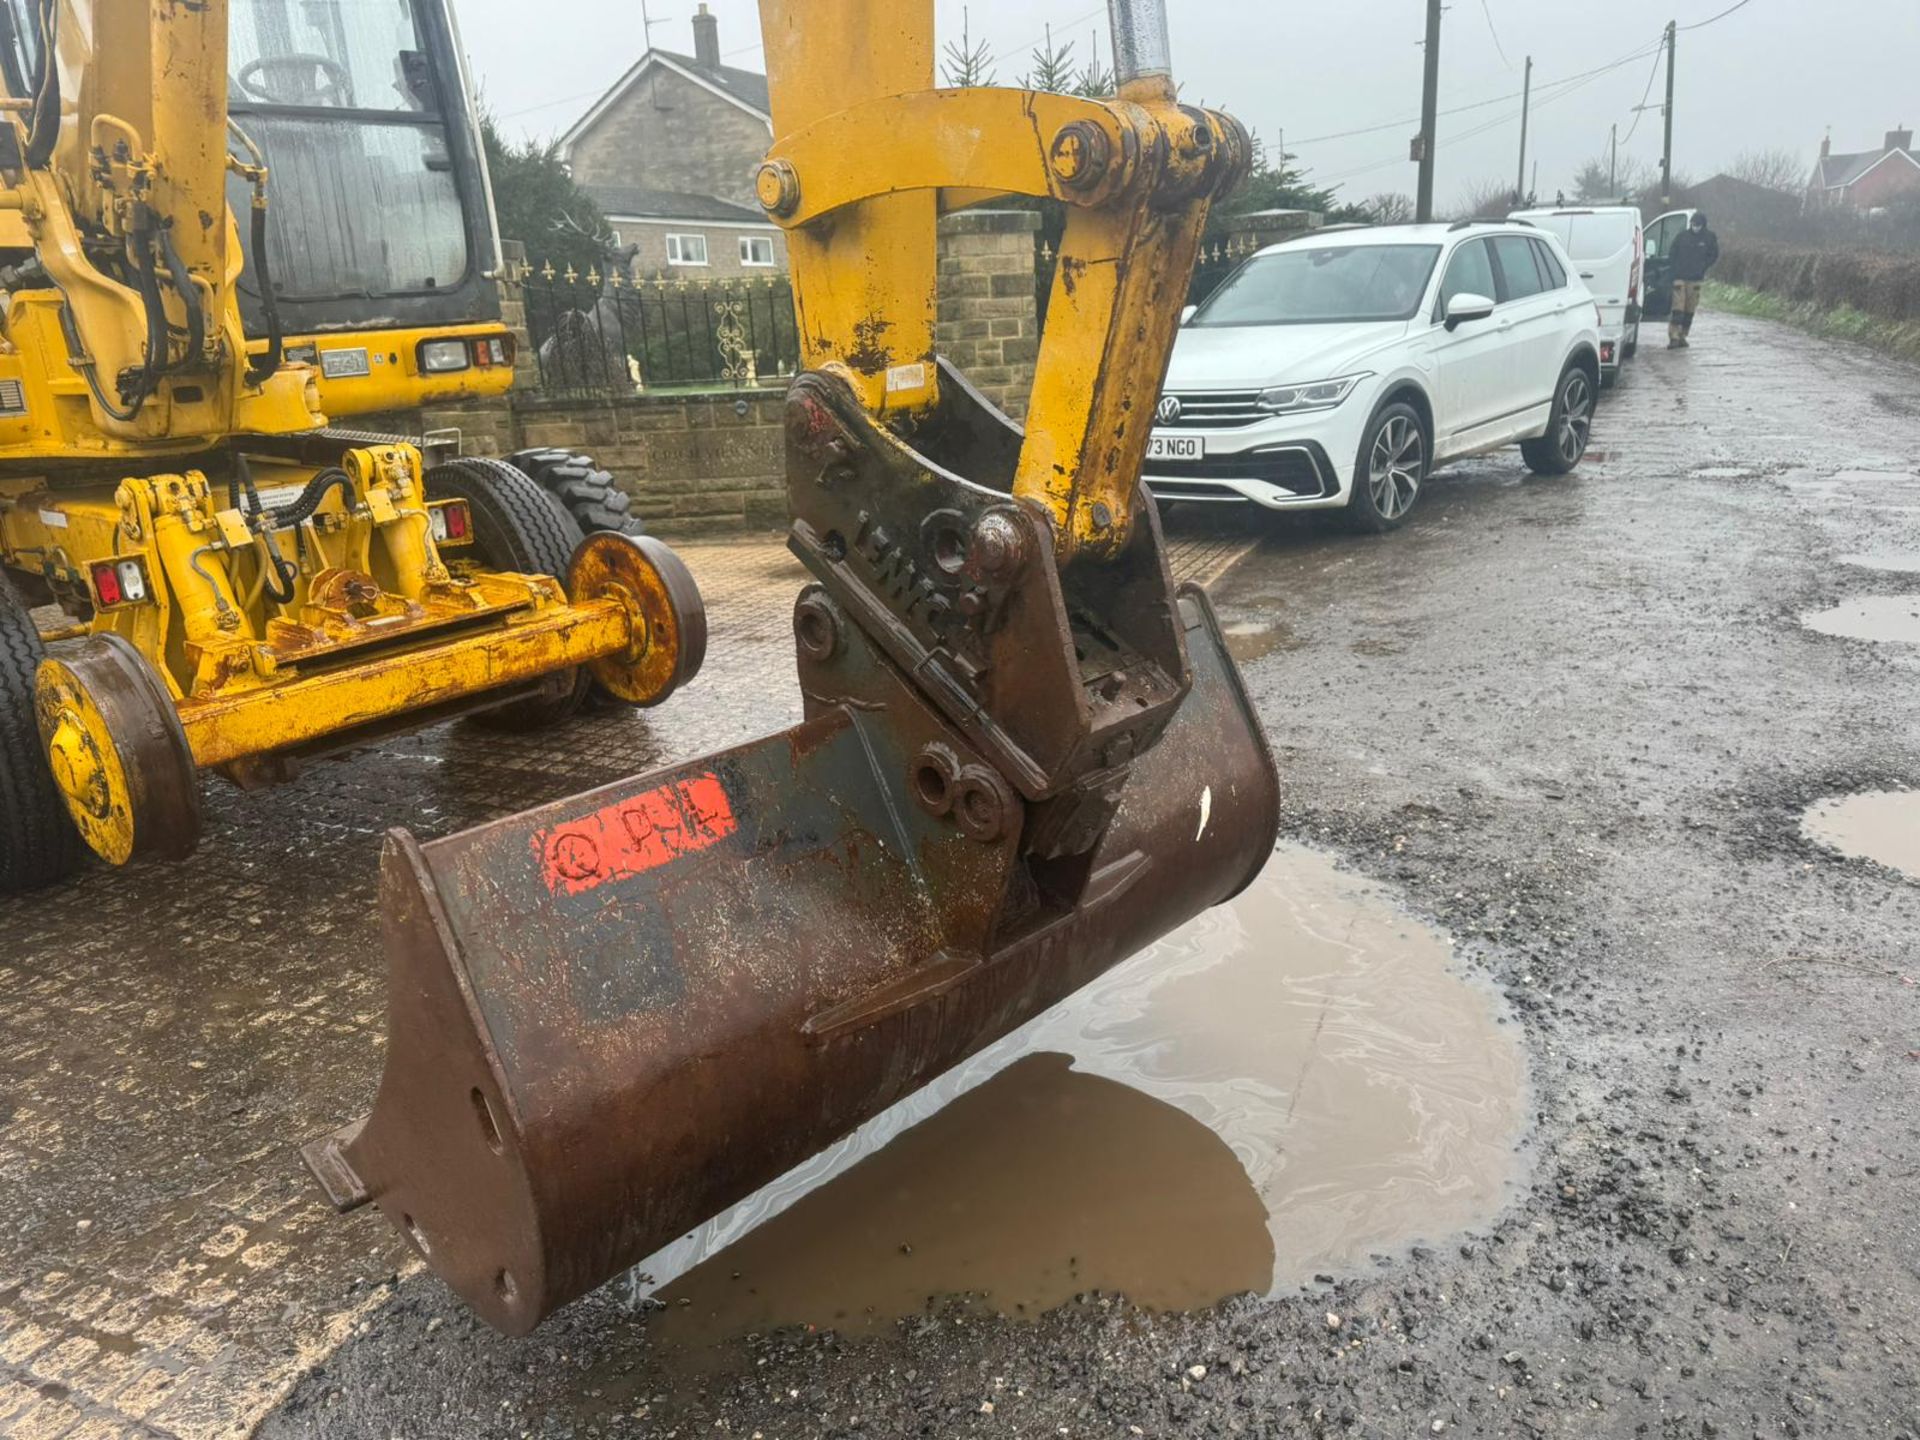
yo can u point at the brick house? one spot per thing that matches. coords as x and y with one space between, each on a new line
669 154
1868 179
679 234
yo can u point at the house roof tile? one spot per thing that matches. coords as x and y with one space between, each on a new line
1833 171
630 202
747 84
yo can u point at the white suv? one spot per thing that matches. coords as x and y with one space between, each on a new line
1337 369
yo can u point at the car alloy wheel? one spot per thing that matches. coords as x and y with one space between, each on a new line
1576 417
1395 465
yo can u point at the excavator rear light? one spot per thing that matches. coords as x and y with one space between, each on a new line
442 357
452 522
119 582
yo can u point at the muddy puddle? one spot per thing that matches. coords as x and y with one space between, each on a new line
1904 562
1882 825
1871 617
1250 640
1288 1087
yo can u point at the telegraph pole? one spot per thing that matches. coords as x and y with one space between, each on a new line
1429 115
1526 103
1666 156
1613 164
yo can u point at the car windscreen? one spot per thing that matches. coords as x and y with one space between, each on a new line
1322 285
1588 237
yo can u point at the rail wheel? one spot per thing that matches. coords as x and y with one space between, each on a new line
118 754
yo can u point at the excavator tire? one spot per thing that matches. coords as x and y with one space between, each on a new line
38 843
586 491
517 527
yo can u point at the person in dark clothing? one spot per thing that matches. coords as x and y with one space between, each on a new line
1692 256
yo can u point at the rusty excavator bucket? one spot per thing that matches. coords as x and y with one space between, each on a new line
1025 755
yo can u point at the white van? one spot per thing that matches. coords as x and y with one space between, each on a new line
1607 247
1661 232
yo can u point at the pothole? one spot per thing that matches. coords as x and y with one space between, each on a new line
1879 825
1870 617
1250 640
1290 1085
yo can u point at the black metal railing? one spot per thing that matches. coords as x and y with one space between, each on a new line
615 334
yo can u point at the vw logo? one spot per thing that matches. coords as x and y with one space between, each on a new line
1168 410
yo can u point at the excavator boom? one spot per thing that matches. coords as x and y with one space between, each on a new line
1025 754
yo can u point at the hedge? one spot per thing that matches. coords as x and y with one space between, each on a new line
1879 283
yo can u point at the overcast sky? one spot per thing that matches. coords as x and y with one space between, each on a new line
1774 74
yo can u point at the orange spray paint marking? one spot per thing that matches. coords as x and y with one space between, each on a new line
635 835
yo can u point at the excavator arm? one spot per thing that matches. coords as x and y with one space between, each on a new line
1025 754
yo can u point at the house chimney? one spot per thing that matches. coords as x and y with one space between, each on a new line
706 37
1826 145
1901 139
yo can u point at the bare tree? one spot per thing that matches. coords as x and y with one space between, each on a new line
1485 200
1604 178
1388 208
1775 169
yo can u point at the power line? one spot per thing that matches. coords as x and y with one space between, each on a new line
1486 9
1701 24
1647 94
1564 88
1038 40
1639 54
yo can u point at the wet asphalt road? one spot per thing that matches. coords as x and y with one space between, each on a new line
1573 722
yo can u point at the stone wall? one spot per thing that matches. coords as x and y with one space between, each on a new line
987 324
716 462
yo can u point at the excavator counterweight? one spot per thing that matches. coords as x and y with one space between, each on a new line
1025 756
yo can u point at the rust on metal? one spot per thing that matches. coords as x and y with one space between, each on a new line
614 1016
1024 756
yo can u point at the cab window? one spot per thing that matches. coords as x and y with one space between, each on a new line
342 97
1519 274
1469 272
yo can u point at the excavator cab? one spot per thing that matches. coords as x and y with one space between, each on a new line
399 287
1025 754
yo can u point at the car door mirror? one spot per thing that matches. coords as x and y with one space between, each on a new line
1186 313
1465 308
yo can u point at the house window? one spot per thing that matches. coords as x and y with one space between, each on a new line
686 249
756 250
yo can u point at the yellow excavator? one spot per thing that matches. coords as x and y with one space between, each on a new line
228 578
1025 752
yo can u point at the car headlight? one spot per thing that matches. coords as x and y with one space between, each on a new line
1319 395
438 357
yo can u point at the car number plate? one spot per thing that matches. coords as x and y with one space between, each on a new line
1176 447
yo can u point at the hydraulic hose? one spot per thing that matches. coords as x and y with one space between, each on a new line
300 510
146 273
260 370
43 125
189 295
